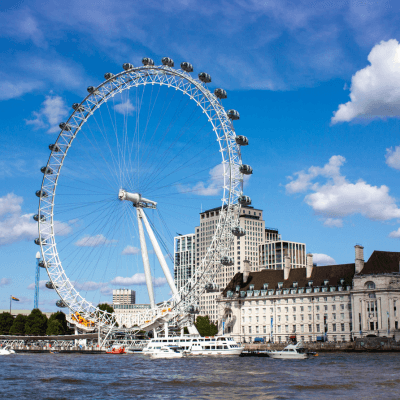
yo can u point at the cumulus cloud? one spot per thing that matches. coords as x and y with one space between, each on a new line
93 241
89 285
323 259
336 197
126 108
393 157
5 281
137 279
395 234
210 188
51 114
15 226
12 89
130 250
42 285
375 89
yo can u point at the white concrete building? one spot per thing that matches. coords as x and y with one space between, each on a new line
125 314
184 259
124 296
340 302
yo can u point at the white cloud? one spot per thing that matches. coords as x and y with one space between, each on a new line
393 157
210 188
395 234
130 250
89 285
5 281
49 117
125 108
333 222
137 279
93 241
42 285
375 89
15 226
12 89
336 197
323 259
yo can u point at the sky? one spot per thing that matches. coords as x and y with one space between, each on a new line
317 86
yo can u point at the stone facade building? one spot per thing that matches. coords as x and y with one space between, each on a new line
334 302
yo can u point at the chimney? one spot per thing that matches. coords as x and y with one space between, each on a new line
286 268
310 265
246 270
359 258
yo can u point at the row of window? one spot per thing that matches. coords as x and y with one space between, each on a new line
293 328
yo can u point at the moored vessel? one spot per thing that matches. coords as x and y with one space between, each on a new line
290 352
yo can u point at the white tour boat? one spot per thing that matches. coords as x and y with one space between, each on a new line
290 352
197 345
167 352
6 351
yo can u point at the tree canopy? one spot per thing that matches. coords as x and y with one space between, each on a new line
105 307
6 322
18 326
54 327
36 323
205 327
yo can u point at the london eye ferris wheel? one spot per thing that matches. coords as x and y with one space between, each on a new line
138 156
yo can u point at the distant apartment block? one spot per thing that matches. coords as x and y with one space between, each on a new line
124 296
184 259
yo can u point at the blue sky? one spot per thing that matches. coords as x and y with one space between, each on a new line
317 85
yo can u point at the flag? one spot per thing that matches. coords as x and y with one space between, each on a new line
14 298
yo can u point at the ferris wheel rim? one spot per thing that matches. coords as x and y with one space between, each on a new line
75 302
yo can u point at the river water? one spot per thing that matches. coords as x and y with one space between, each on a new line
80 376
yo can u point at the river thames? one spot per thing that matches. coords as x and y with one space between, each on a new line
77 376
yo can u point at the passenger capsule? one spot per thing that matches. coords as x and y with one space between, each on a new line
168 62
46 170
233 114
108 75
42 264
220 93
60 304
187 66
41 193
92 90
54 147
49 285
244 200
36 218
238 231
37 241
206 78
65 127
147 61
78 107
227 261
127 66
242 140
246 169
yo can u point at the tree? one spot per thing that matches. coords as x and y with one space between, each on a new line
54 327
18 326
205 327
105 307
36 323
6 322
60 317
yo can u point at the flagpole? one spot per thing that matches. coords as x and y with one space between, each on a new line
10 304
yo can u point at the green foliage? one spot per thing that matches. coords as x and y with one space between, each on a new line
36 323
205 327
185 331
18 326
54 327
6 322
60 317
105 307
108 308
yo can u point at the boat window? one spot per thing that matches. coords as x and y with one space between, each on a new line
194 340
219 347
226 347
207 347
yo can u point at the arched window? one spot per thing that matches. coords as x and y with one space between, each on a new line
370 285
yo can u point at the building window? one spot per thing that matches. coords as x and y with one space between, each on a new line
334 327
371 326
257 329
264 329
249 329
334 316
302 328
287 328
317 327
396 325
309 328
342 316
342 327
317 317
309 317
